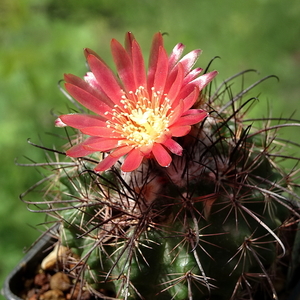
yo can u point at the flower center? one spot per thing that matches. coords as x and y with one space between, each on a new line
141 120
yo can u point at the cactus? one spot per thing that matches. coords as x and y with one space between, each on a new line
212 221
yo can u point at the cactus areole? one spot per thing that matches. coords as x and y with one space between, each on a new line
167 190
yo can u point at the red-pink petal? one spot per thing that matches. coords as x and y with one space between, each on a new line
173 146
185 92
175 55
178 131
138 63
129 38
88 51
177 113
60 123
165 136
106 78
204 79
196 111
118 152
92 88
194 116
102 144
189 60
100 132
146 150
124 65
161 155
88 100
191 99
78 151
161 71
132 161
191 75
199 82
173 86
106 163
153 58
82 120
186 64
90 78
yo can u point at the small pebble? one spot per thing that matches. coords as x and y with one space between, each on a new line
53 295
60 281
40 279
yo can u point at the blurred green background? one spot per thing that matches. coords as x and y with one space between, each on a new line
42 39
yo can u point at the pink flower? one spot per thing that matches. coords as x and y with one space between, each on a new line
136 115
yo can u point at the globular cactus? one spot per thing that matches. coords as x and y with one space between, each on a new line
199 209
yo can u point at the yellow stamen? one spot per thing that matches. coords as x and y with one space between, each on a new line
141 120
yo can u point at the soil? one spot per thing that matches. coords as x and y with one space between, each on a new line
49 285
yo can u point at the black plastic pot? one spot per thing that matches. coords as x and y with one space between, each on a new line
26 267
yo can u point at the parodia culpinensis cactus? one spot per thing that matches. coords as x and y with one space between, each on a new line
168 190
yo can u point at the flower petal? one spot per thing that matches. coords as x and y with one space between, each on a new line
134 51
100 132
60 123
79 150
199 82
191 99
175 55
178 131
102 144
173 146
192 75
204 79
189 60
132 161
194 116
90 85
92 81
82 120
112 158
88 100
106 163
106 78
129 38
139 70
153 58
124 65
161 71
163 137
118 152
161 155
177 113
173 86
88 51
146 150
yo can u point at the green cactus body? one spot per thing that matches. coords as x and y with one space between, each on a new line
209 226
193 231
